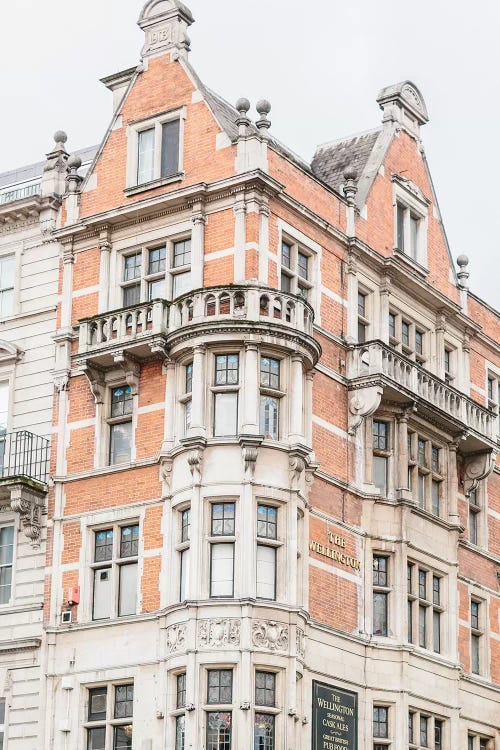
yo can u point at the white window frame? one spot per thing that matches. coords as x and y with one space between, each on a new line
276 544
388 589
482 633
431 718
176 711
450 375
14 525
300 241
426 470
429 605
216 540
414 203
183 549
276 393
396 341
386 742
3 726
270 710
207 707
366 320
109 722
111 421
133 131
115 565
145 277
215 389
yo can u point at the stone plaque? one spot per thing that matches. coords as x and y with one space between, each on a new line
335 718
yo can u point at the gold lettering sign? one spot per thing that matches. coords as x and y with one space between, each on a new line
333 554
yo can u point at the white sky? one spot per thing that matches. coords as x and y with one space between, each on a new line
321 64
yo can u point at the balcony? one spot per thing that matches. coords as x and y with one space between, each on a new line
404 381
24 466
149 328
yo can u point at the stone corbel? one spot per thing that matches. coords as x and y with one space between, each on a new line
309 475
131 369
29 504
476 468
61 381
249 453
297 466
363 403
166 466
97 382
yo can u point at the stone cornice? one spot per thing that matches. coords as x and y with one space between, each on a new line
20 645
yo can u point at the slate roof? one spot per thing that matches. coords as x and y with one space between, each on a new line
332 159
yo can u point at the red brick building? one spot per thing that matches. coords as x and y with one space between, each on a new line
275 515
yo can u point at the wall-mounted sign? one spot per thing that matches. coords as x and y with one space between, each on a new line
335 554
334 718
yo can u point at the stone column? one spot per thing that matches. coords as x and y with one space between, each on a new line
197 246
384 294
440 331
352 298
264 244
309 406
464 371
402 490
104 271
297 400
198 418
251 391
169 424
453 516
240 239
67 286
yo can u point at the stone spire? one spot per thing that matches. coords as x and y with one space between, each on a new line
403 103
165 24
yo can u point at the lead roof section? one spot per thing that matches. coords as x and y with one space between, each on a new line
332 159
34 171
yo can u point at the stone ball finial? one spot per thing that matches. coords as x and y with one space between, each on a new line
243 105
74 162
263 107
60 136
463 261
350 173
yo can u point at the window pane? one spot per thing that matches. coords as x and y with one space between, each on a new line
180 732
380 435
422 627
400 229
132 267
146 156
265 689
266 572
286 283
221 569
181 690
226 414
379 613
131 295
102 594
6 303
97 704
269 417
380 722
181 283
124 701
410 622
129 541
267 522
170 148
184 574
286 254
422 584
436 631
4 413
120 443
103 549
474 615
156 289
220 686
380 474
435 497
421 491
438 735
157 260
419 342
392 325
413 236
7 272
436 590
96 739
424 731
264 734
122 739
182 253
269 372
473 527
380 571
405 333
185 525
219 731
223 519
127 604
474 654
227 369
122 401
303 265
6 545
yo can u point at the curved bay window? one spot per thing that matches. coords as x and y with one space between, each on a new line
219 698
270 395
265 718
226 388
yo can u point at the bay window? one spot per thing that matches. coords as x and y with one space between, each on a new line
265 721
222 542
266 551
219 709
225 393
270 395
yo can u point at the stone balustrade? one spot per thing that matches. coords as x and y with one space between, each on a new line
120 327
375 359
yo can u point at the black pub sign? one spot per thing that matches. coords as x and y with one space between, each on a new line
335 718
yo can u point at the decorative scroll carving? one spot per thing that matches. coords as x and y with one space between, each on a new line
300 643
195 459
29 504
297 466
96 381
270 634
131 370
476 468
166 466
176 637
219 633
249 453
363 403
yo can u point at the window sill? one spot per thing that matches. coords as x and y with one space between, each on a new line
411 262
135 189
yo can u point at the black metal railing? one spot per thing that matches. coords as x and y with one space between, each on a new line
23 454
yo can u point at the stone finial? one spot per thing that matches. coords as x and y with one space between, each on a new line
404 104
263 107
463 273
243 121
73 179
165 24
350 185
60 138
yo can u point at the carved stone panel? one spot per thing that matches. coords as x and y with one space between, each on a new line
270 634
176 637
300 641
219 633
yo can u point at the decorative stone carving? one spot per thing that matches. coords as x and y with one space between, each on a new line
249 454
195 459
245 705
362 404
300 643
131 370
219 633
270 634
96 381
176 637
297 466
476 468
29 504
166 466
61 381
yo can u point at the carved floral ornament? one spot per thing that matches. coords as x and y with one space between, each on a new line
219 633
176 637
270 634
29 504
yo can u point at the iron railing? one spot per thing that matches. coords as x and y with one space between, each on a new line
15 195
23 454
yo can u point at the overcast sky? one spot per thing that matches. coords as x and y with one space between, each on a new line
321 64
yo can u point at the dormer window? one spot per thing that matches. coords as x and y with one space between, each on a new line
410 221
155 151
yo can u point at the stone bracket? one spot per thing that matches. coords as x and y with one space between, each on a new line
29 503
363 403
476 468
